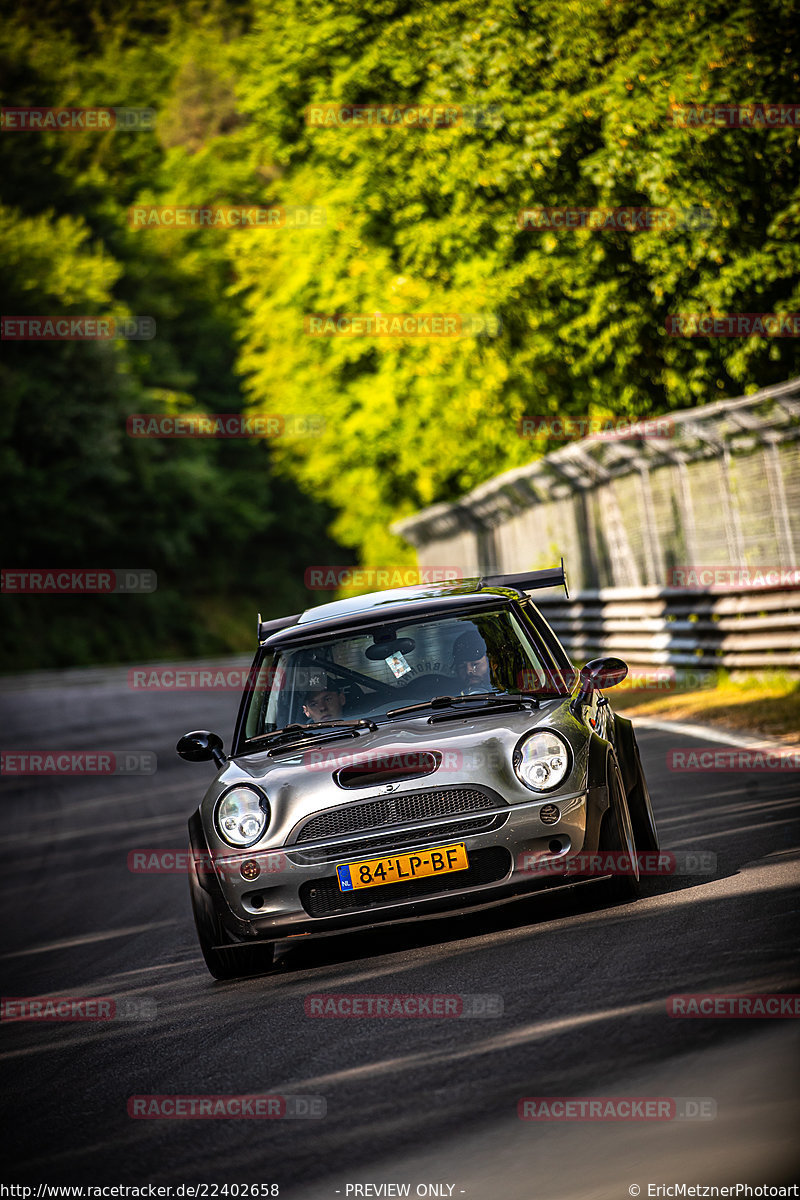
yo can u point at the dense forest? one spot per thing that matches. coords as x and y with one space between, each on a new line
564 105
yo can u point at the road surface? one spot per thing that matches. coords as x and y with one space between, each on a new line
409 1102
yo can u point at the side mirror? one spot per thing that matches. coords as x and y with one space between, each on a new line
599 673
603 673
202 746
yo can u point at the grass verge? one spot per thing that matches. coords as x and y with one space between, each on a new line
766 704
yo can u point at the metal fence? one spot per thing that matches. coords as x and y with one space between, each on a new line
627 514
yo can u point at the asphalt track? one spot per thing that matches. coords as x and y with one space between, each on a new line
409 1101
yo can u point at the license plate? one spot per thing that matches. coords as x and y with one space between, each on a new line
374 872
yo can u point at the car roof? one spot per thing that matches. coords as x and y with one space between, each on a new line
399 605
389 600
396 604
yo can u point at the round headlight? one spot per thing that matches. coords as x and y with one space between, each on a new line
242 816
541 760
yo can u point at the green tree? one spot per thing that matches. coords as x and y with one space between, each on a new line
224 534
426 220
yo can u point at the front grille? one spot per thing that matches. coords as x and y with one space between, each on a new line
322 898
394 810
367 848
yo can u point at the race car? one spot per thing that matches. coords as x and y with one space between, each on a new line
409 753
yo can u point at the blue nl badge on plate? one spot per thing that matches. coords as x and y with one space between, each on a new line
345 882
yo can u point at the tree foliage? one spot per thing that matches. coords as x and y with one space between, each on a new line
225 534
579 96
573 105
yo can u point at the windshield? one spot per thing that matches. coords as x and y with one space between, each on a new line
366 675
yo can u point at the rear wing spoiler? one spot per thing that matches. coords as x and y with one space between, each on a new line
526 581
265 628
529 581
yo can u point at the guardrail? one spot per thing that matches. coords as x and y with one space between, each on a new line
737 630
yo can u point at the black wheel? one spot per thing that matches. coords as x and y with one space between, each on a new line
616 837
224 964
645 833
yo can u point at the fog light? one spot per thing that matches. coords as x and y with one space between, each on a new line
549 814
250 869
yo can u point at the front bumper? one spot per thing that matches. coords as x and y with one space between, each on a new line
296 892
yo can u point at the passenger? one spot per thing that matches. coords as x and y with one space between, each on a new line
471 663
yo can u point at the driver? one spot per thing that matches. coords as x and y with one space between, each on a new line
471 663
325 702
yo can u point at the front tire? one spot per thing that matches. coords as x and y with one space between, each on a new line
239 963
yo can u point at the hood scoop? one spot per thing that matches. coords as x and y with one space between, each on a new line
387 766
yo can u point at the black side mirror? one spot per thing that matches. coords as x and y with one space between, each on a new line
603 673
202 746
599 673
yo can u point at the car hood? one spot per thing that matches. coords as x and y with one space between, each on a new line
470 750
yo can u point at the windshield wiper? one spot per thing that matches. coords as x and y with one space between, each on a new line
482 698
301 731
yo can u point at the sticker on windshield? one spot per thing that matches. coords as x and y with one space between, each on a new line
398 665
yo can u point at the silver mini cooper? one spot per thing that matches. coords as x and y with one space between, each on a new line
405 754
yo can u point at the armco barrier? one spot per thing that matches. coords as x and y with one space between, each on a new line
737 630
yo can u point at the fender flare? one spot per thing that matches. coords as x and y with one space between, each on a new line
597 797
202 858
625 742
208 881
